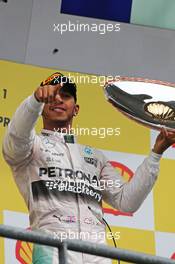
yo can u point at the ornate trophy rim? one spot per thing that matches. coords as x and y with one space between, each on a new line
154 114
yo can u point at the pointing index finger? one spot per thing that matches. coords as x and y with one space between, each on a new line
56 88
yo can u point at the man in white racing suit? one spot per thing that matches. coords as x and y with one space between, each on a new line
62 182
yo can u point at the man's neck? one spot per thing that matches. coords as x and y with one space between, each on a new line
60 127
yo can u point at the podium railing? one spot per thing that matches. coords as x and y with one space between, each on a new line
80 246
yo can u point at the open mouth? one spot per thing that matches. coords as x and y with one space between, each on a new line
161 111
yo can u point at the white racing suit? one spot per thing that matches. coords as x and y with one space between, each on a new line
63 183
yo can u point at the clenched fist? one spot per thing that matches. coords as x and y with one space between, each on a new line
46 94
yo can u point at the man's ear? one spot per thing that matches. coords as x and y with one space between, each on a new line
76 109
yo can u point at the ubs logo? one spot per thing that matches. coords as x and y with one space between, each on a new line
88 150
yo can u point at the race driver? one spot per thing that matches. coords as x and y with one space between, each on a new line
62 182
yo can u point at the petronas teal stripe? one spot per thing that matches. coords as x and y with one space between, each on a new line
42 254
156 13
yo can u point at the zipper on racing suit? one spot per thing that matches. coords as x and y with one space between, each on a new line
77 198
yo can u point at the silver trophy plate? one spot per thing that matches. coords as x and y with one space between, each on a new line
149 102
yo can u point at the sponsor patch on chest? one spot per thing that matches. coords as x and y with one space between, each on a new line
91 161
